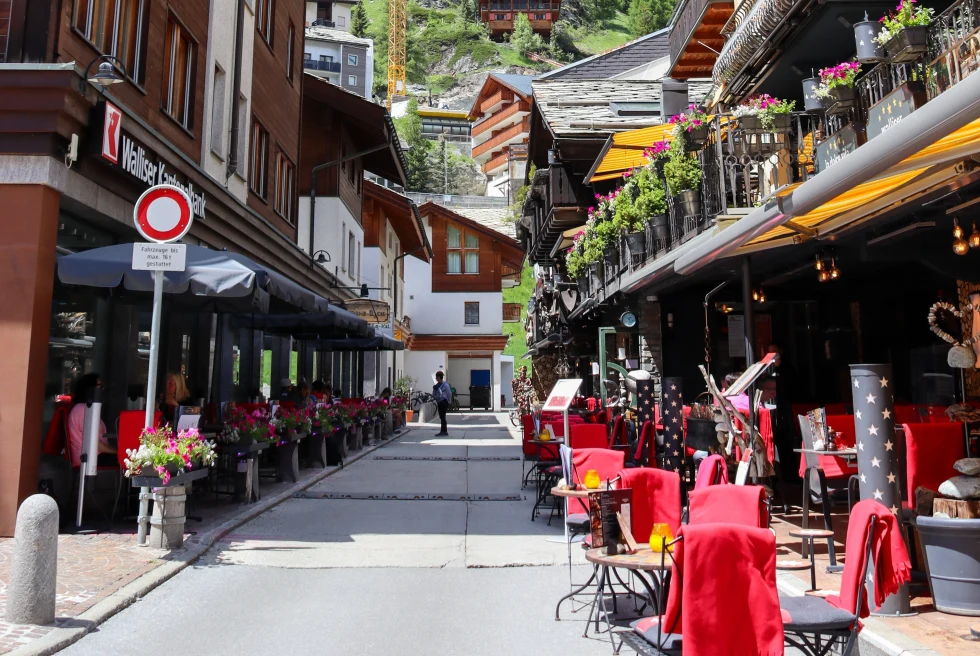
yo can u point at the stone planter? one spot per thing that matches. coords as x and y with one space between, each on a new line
636 242
388 425
909 45
952 551
167 519
336 444
376 432
287 465
318 450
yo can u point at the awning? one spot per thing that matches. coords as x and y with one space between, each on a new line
566 241
215 281
624 151
943 130
375 343
330 322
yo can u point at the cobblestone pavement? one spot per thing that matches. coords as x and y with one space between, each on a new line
90 568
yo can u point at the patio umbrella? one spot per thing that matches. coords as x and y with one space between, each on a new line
327 322
216 281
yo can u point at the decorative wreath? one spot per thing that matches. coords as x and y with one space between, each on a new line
956 312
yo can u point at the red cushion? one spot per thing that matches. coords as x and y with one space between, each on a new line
930 451
607 464
588 436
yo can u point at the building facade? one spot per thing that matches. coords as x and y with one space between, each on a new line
330 13
500 15
343 59
500 131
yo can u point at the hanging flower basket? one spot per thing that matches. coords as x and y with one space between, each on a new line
811 101
841 99
695 138
660 227
908 45
637 242
869 51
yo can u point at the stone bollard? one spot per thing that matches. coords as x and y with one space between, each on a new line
167 520
34 574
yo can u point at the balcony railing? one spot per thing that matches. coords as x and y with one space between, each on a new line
513 132
496 119
521 5
512 311
495 99
495 163
329 67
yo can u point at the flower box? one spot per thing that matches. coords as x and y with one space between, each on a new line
750 124
841 99
908 45
636 242
695 138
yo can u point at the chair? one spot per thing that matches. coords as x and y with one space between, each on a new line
656 500
816 625
930 452
533 452
645 454
729 504
698 587
713 471
617 437
844 424
607 464
816 471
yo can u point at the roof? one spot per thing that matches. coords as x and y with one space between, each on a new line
607 65
581 107
519 84
404 218
511 250
320 33
494 218
435 112
372 121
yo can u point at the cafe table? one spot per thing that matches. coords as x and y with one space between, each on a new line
850 457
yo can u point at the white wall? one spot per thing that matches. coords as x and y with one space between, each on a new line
317 48
333 223
459 375
420 365
443 313
341 16
506 377
221 53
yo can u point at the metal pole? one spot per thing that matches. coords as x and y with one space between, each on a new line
749 318
151 393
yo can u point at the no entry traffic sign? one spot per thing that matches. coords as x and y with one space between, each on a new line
163 214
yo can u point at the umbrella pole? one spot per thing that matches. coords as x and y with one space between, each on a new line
151 393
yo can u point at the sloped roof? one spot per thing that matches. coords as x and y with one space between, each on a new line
494 218
510 249
582 107
320 33
519 83
607 65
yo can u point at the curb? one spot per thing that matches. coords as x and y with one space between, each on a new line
75 628
875 639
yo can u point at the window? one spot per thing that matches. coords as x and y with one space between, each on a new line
350 254
117 28
258 152
343 250
500 17
352 60
178 68
341 21
218 113
352 80
539 17
462 253
471 314
285 173
243 135
290 37
264 14
326 58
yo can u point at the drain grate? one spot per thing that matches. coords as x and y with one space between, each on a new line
452 458
408 496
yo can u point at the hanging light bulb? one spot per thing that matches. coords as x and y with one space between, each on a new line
975 237
762 296
961 246
819 263
755 295
823 276
957 229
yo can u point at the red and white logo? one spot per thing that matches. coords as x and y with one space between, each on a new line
163 214
110 133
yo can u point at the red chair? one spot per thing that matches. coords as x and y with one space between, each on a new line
56 441
535 453
618 435
937 415
844 424
646 447
930 451
588 436
713 471
836 409
729 504
656 500
910 414
607 464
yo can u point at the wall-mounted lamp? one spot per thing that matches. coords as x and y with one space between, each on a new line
321 257
105 75
759 295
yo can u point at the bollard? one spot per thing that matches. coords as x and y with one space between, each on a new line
33 577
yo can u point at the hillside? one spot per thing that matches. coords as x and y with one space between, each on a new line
450 52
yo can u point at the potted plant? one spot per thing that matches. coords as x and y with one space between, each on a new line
166 453
657 156
811 101
592 256
683 174
652 203
904 34
691 127
245 428
836 89
575 264
626 219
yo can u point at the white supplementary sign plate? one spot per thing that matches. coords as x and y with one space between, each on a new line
562 394
159 257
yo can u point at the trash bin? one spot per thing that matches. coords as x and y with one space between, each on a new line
480 397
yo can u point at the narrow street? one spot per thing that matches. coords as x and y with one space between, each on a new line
424 546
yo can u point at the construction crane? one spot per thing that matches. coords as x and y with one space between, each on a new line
397 27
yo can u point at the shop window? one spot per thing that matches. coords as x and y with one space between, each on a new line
117 28
259 155
178 66
290 38
285 175
264 15
218 113
471 313
462 251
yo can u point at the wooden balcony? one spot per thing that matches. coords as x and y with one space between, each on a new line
512 311
494 100
512 133
696 37
496 119
496 163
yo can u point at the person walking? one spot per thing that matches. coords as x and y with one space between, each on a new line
442 394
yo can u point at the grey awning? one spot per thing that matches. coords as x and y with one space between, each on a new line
376 343
331 322
953 109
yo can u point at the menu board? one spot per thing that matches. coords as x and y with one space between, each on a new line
603 506
562 394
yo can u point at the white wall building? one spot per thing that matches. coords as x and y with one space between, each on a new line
330 11
341 58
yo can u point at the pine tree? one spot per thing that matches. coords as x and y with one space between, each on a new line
358 21
647 16
524 38
419 173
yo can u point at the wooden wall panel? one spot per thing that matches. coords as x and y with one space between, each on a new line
146 100
325 139
489 278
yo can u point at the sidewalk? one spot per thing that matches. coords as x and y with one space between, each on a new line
99 575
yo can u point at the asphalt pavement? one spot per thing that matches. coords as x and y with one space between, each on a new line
425 546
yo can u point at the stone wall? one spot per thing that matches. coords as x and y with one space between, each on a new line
651 341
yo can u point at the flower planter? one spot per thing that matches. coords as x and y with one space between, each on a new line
595 272
610 255
636 242
868 52
841 99
750 123
318 450
583 285
952 551
287 464
660 227
811 102
909 45
782 123
409 415
695 138
688 203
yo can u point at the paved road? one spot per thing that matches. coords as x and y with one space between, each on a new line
451 566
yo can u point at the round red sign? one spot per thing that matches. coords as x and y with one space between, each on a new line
163 214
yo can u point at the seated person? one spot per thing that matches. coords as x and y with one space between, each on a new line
84 387
303 398
174 395
317 391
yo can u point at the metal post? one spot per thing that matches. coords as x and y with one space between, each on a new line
151 393
749 319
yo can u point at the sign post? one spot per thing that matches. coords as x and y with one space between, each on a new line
562 395
162 215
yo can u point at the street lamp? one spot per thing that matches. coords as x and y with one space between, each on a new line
106 74
321 257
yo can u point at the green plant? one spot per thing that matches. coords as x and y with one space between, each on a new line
161 450
765 107
647 16
591 249
832 77
607 233
652 200
405 385
524 38
687 121
682 171
419 173
574 263
907 15
627 217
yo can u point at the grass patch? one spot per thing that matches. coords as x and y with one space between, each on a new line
613 33
517 345
440 84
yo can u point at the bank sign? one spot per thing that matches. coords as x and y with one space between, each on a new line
141 163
